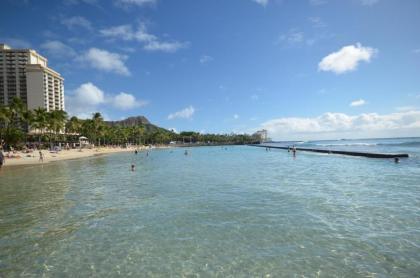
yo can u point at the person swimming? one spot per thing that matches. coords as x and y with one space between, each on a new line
396 160
133 167
136 152
186 152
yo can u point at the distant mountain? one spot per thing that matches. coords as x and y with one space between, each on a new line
138 121
130 121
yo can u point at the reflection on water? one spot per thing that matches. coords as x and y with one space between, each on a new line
240 212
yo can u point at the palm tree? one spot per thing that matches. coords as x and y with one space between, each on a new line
56 121
74 125
98 126
11 120
40 122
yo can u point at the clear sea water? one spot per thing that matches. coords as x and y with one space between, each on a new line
235 212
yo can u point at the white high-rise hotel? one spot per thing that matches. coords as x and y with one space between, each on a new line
25 74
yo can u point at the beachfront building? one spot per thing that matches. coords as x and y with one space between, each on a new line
25 74
262 135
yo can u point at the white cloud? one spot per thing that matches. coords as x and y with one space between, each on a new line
206 59
236 116
261 2
255 97
90 95
88 98
58 49
106 61
76 22
369 2
84 100
416 51
358 102
150 42
340 125
185 113
126 101
346 59
135 2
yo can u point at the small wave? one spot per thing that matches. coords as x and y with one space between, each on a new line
408 144
347 144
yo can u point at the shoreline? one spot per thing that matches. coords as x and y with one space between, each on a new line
31 159
25 159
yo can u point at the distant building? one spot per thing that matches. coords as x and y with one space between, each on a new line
25 74
262 135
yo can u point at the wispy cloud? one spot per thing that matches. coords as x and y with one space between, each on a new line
106 61
405 108
318 2
296 38
236 116
293 36
16 42
317 22
369 2
185 113
58 49
346 59
138 3
150 42
76 22
358 102
340 125
261 2
205 59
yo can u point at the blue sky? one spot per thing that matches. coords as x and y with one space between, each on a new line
303 69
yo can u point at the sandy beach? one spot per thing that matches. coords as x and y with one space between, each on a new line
21 158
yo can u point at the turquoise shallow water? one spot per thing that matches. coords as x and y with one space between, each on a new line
235 212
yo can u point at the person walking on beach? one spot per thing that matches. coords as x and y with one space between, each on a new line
41 156
1 158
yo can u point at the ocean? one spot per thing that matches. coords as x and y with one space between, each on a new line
234 211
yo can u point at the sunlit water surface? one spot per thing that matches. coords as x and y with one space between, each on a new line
239 212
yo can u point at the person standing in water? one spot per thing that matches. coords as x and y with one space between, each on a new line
1 158
41 156
136 152
133 167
